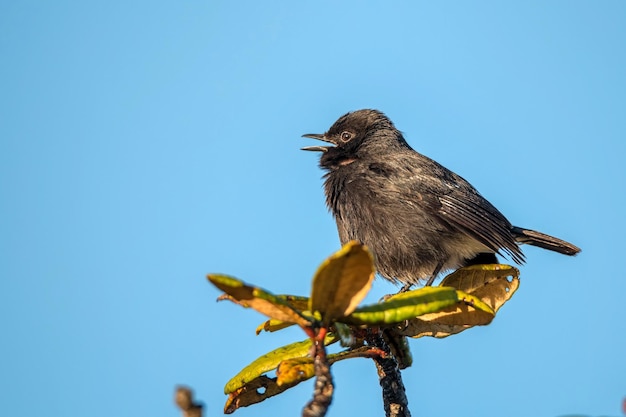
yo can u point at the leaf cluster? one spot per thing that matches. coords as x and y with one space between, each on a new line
468 297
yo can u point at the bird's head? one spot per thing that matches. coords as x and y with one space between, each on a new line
357 135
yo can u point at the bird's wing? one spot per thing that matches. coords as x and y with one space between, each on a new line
476 217
459 205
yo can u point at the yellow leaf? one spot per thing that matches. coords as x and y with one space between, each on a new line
293 371
342 281
485 288
446 322
296 301
258 299
493 284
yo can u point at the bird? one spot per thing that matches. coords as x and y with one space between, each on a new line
417 217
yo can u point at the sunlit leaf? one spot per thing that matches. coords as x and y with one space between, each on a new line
485 289
450 321
296 301
270 361
258 299
417 328
296 370
475 302
272 325
404 306
493 284
342 281
292 372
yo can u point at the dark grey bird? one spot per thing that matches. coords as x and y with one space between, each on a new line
417 217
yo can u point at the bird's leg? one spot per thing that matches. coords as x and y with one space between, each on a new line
405 288
434 275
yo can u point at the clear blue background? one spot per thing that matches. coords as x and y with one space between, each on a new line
145 144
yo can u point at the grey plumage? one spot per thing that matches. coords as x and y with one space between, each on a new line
416 216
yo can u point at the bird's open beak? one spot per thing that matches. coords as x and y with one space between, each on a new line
317 148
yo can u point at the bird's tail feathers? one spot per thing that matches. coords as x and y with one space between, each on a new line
544 241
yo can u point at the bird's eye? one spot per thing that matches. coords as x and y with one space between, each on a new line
346 136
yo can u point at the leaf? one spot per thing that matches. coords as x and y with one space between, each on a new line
255 391
493 284
468 311
417 328
298 303
342 281
404 306
485 289
449 321
272 325
475 302
270 361
292 371
258 299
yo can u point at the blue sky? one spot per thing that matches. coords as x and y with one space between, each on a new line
144 145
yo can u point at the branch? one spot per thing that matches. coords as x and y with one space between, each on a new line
184 400
323 389
390 378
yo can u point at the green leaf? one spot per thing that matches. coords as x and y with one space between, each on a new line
485 288
342 281
258 299
270 361
451 320
468 312
296 301
475 302
292 371
404 306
